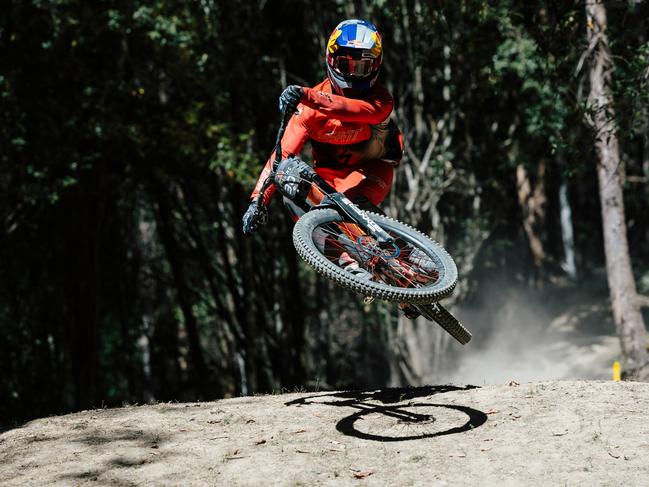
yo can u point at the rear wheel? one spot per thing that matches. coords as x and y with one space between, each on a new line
414 269
440 315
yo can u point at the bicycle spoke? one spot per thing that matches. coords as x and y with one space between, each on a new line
408 280
398 267
336 234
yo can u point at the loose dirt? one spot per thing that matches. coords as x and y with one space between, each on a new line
548 433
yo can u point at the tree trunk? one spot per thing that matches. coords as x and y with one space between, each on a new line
199 372
532 199
567 236
601 116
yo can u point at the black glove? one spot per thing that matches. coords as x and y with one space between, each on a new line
290 98
254 217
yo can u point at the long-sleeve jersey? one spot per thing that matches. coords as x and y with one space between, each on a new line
342 131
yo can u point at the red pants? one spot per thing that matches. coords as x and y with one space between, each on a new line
371 179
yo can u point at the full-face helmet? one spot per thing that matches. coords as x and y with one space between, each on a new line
354 57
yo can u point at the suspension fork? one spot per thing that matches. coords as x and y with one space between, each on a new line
351 211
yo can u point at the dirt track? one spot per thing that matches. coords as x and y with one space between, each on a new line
551 433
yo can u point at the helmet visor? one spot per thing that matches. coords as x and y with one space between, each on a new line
353 67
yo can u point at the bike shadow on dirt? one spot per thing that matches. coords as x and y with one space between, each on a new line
395 417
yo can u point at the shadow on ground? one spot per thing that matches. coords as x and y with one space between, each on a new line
391 415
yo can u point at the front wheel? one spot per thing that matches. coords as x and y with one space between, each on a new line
414 269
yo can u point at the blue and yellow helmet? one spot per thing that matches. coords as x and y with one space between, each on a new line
354 57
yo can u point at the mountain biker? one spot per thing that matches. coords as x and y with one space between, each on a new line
346 118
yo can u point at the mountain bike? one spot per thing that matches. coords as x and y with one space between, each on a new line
369 253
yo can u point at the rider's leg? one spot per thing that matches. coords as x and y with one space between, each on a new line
366 184
371 182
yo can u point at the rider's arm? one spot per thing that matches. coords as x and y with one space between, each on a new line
294 138
373 110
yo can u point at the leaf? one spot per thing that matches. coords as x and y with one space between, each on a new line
363 474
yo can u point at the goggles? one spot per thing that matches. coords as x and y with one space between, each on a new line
353 67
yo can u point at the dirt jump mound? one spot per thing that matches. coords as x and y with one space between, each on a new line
550 433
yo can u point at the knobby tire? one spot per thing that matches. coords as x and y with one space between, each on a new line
430 293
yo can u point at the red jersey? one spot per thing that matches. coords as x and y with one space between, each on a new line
342 131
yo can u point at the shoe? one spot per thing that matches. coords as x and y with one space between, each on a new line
416 267
347 262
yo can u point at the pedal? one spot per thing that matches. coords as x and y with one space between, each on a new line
409 311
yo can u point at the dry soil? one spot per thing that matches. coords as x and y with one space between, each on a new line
548 433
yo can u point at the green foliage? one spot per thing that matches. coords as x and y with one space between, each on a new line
132 133
233 154
540 77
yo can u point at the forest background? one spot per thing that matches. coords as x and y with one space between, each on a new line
132 133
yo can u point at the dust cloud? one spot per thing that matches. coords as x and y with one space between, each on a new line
560 332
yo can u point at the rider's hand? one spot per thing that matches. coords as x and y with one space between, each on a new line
254 217
290 98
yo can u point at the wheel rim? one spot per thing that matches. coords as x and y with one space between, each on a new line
404 264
